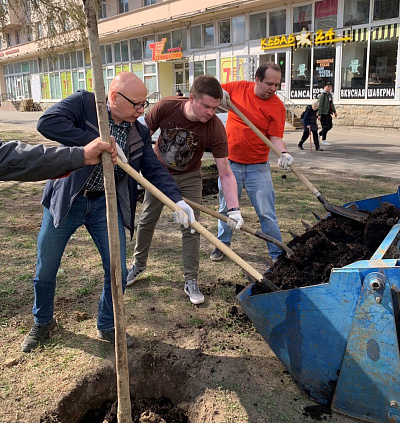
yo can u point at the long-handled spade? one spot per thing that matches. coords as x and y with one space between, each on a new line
338 210
250 271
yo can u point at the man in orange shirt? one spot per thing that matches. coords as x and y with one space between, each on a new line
249 155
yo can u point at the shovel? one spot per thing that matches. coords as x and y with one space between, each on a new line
244 228
341 211
252 273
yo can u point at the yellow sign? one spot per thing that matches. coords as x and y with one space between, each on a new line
89 80
229 70
303 39
45 86
66 84
158 48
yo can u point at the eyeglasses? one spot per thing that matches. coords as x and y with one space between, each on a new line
136 106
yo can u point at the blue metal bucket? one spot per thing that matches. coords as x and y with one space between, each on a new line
340 340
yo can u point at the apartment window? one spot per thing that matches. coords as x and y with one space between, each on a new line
195 36
136 49
8 39
356 12
123 6
208 34
39 30
258 26
17 37
28 34
302 17
325 14
179 38
386 9
277 22
238 29
225 31
149 2
166 35
79 55
103 9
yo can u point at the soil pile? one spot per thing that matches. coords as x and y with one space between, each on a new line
331 243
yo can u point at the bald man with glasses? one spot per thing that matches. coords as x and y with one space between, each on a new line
79 199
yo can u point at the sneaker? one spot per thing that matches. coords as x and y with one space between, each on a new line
324 142
134 273
109 336
191 288
37 335
300 147
216 255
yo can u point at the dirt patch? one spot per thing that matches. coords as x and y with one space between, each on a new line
332 243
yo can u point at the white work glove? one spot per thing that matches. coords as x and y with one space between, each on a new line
235 220
285 161
121 154
185 215
225 98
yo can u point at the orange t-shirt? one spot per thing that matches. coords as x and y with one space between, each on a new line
268 115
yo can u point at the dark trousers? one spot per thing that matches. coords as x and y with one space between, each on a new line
326 123
306 134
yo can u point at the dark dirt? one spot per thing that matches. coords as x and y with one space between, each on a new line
160 410
331 243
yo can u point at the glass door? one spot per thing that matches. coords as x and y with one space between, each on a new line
278 57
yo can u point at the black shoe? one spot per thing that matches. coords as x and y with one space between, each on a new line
300 147
319 149
216 255
37 335
109 336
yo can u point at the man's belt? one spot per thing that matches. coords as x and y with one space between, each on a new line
91 194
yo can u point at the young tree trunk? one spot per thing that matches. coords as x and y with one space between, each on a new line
121 354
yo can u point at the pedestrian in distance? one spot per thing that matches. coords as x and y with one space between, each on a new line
79 199
310 121
178 92
25 162
326 109
188 127
249 155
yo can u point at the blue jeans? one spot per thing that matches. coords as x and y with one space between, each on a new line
256 180
50 248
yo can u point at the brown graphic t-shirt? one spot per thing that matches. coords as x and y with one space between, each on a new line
182 142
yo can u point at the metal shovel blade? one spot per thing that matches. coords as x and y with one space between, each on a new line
343 211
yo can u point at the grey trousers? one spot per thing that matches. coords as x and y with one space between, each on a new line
191 187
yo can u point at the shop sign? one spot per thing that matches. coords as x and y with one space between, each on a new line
352 93
158 48
303 39
324 68
300 93
14 50
380 93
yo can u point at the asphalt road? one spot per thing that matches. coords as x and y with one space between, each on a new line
363 151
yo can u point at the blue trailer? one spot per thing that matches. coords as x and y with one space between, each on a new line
340 340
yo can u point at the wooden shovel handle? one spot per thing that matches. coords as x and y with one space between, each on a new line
263 138
196 225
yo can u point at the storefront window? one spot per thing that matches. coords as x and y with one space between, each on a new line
211 67
136 49
238 29
326 14
324 67
148 54
124 51
117 52
198 68
195 36
208 34
382 63
301 73
354 60
386 9
302 17
258 26
356 12
277 22
225 31
179 38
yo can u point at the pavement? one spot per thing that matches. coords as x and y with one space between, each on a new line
362 151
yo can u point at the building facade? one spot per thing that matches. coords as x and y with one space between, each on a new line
352 43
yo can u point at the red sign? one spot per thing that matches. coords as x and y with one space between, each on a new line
158 48
326 8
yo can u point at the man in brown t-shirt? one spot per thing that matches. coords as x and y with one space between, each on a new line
188 127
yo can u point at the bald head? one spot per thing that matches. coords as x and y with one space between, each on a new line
126 84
